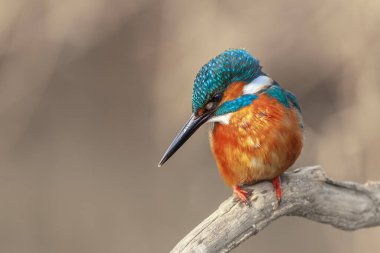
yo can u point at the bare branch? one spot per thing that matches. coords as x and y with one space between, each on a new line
307 192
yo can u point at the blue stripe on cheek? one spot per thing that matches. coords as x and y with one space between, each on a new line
236 104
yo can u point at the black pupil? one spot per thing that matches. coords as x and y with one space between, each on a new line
214 101
217 97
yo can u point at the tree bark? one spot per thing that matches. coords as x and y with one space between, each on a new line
307 192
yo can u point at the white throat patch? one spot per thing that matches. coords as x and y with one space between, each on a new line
257 84
223 119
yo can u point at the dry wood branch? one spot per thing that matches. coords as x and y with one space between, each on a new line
307 192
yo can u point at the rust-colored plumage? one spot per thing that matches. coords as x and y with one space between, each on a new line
260 142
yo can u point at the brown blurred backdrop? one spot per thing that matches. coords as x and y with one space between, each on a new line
93 91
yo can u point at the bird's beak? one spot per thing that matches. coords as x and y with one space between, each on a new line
187 130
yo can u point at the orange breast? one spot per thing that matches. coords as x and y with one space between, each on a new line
260 142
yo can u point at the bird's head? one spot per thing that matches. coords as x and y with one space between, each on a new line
210 85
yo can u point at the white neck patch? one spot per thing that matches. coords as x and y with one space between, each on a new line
223 119
257 84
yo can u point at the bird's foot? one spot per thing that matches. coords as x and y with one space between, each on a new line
276 182
242 194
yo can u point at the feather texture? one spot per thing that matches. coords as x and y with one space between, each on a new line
260 142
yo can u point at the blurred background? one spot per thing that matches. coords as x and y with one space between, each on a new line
93 91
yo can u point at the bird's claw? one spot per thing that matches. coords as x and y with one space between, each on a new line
243 195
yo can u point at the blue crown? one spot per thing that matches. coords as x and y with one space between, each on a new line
232 65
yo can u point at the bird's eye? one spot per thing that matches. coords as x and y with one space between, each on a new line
217 97
213 103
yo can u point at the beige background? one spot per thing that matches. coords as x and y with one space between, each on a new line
92 92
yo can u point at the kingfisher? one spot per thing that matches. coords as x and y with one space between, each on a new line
257 126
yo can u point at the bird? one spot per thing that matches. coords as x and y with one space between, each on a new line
257 126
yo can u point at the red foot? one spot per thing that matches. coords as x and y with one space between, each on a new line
277 185
242 194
